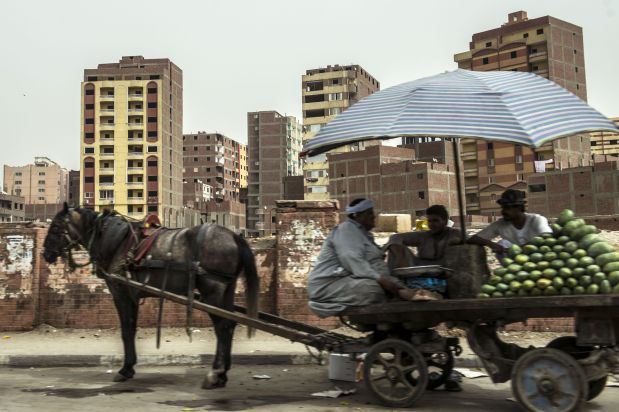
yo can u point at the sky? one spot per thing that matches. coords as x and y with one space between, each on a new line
239 56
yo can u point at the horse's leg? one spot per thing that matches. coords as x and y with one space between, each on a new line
224 330
127 308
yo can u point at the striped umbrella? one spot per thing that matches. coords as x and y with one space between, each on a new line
507 106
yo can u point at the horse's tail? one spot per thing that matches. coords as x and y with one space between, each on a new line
252 282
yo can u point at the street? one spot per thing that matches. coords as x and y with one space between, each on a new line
178 389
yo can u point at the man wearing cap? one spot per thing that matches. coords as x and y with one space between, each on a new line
351 269
516 227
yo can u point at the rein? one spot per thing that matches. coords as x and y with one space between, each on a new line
77 244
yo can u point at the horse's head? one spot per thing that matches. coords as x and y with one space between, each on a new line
65 230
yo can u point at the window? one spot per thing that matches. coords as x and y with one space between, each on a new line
106 179
540 31
90 92
484 60
152 134
577 86
153 149
537 188
576 69
612 142
490 146
89 179
152 178
513 55
138 77
535 68
152 208
152 120
89 121
419 176
594 143
491 162
41 198
518 158
154 76
575 52
152 90
317 189
89 135
525 35
106 194
18 174
92 78
89 106
18 182
195 148
422 195
489 44
41 182
152 105
41 173
152 163
491 179
493 196
42 190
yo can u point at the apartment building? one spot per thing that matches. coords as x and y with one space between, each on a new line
131 138
274 142
551 48
12 208
41 182
214 167
393 179
327 92
605 143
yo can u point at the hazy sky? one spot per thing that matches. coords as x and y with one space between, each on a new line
240 56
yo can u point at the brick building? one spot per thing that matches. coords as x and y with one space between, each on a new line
588 191
327 92
605 143
273 145
131 138
12 208
213 166
393 180
549 47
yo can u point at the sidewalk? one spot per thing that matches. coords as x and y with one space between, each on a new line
50 347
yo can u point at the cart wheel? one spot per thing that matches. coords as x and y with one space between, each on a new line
549 380
440 365
568 344
395 372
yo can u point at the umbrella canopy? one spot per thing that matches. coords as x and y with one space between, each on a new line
507 106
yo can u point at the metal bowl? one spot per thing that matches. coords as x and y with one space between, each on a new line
434 271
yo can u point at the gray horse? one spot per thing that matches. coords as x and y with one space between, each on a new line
208 258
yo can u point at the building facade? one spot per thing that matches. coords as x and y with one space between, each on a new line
393 180
213 170
588 191
326 92
605 143
41 182
551 48
12 208
131 138
74 188
274 142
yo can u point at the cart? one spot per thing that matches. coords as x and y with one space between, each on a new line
404 357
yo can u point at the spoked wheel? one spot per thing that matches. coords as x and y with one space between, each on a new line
395 372
568 344
440 365
549 380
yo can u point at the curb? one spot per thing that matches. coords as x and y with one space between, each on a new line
55 361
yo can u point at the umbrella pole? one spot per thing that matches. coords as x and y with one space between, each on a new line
456 150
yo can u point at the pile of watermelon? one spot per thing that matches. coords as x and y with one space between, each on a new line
573 260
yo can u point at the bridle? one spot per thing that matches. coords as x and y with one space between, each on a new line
76 242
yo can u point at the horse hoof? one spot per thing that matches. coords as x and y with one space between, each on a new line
213 381
119 377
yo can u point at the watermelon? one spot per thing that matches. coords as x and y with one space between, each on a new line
571 226
599 248
583 231
611 267
588 240
604 259
565 216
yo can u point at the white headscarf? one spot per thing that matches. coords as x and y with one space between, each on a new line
362 206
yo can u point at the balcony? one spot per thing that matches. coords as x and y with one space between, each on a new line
107 154
106 170
542 72
135 154
135 214
106 200
106 97
134 110
106 125
469 155
106 110
136 139
538 56
470 172
135 199
135 183
106 184
135 125
135 96
135 169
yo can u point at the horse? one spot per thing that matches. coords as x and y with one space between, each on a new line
207 257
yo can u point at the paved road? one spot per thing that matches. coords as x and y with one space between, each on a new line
178 389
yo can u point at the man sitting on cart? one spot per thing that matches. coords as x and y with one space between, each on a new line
351 269
515 228
431 246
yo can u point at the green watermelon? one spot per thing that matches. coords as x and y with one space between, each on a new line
604 259
588 240
599 248
565 216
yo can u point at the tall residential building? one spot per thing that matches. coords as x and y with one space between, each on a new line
326 92
11 208
131 138
74 188
213 166
551 48
605 143
244 168
273 144
41 182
